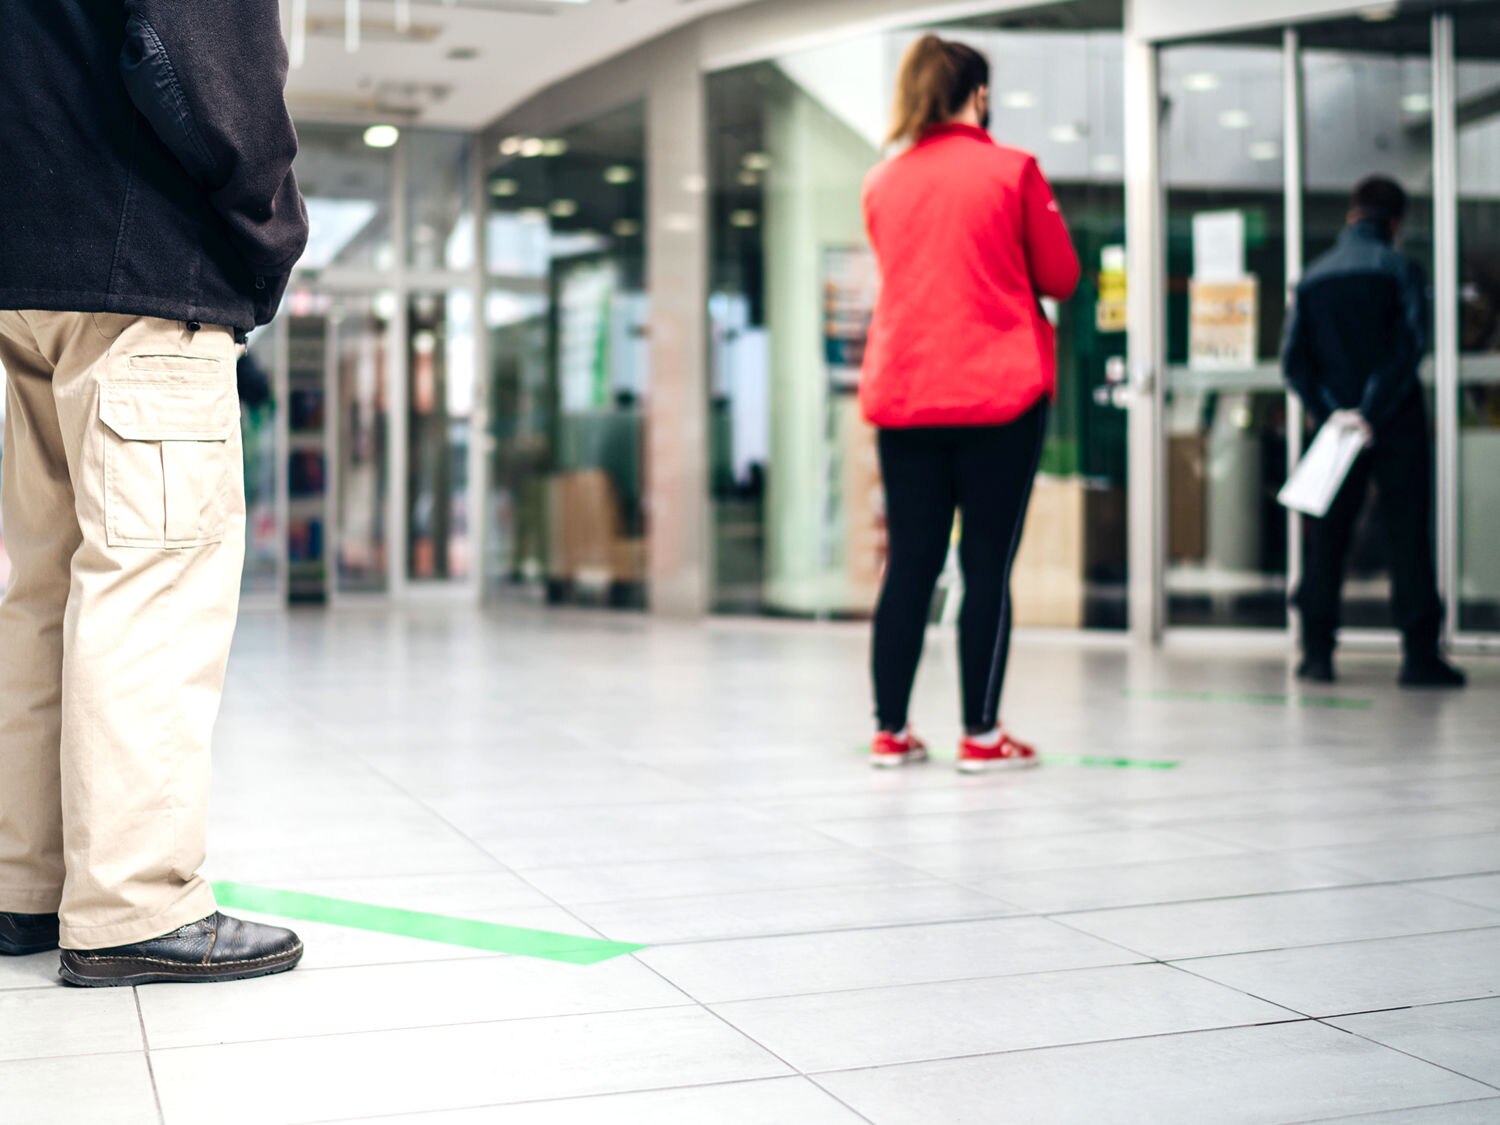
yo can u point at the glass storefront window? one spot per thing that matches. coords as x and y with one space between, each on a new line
798 524
566 312
440 407
1225 420
1477 40
258 419
439 212
347 185
359 327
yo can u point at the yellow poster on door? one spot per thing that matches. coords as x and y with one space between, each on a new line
1223 320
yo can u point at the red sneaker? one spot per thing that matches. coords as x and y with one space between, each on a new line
975 756
890 751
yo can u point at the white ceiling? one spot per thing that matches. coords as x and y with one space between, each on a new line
522 47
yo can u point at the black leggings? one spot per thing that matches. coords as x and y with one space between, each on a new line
985 472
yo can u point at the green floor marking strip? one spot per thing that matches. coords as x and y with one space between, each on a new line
569 948
1331 702
1068 760
1109 763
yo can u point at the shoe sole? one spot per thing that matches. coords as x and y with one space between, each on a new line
999 765
896 761
129 971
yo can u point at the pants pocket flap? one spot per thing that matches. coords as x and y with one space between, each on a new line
169 411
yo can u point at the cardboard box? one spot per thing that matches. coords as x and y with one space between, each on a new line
1187 498
1047 579
586 531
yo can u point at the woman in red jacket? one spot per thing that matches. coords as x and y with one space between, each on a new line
959 372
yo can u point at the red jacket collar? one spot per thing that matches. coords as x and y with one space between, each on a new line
956 129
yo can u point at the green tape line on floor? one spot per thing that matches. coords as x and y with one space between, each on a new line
1109 763
1331 702
467 932
1074 760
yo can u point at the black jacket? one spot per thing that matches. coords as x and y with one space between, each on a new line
1357 332
145 159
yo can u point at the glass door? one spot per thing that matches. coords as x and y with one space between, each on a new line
1224 409
1476 41
1263 137
1368 101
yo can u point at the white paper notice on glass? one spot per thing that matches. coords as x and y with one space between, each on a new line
1322 471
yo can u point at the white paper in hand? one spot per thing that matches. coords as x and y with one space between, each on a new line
1321 472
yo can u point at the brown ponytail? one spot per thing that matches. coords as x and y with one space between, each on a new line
937 77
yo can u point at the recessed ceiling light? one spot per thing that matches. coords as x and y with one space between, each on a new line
748 178
744 219
532 214
382 136
1235 119
1066 134
1201 81
505 188
563 208
627 228
511 146
531 148
1018 99
1417 103
1106 163
554 146
756 161
1265 151
619 174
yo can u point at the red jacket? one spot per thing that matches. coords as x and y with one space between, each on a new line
968 237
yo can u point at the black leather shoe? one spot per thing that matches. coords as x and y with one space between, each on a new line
22 934
217 948
1431 672
1316 670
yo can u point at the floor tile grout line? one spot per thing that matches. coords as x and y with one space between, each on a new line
1399 1109
1257 849
1365 883
1402 1051
924 983
914 879
978 886
356 1031
703 1007
75 1055
819 1073
505 866
140 1015
397 1117
1234 988
1108 807
1058 918
1242 852
1332 944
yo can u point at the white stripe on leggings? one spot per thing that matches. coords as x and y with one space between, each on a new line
992 689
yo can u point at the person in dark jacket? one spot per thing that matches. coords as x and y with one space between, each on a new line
149 219
1353 348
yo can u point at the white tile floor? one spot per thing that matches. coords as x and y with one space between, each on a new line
1301 922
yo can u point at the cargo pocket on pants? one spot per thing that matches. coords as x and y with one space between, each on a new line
169 466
